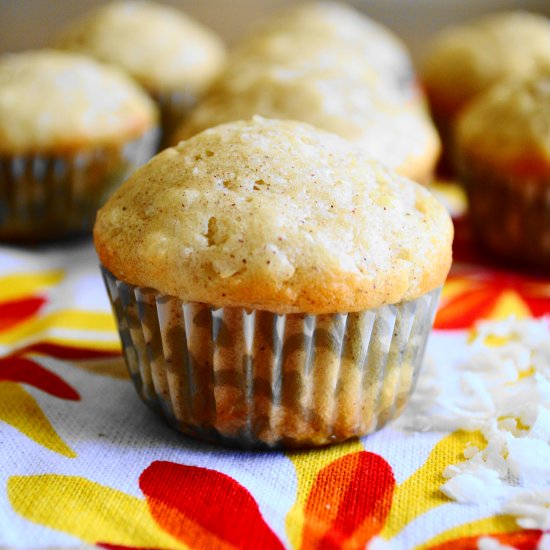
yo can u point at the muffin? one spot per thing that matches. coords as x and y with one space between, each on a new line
172 56
335 23
71 129
503 147
273 286
327 65
401 137
466 60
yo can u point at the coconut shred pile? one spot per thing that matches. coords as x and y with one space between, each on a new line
500 387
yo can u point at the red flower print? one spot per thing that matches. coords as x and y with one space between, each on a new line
480 292
26 371
348 503
16 311
67 352
204 508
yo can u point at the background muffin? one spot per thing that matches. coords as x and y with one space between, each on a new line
300 277
466 60
70 131
337 24
308 69
503 145
172 56
401 138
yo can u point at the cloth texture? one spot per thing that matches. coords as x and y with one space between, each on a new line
83 462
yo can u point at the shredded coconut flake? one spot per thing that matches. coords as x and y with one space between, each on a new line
471 486
501 388
531 508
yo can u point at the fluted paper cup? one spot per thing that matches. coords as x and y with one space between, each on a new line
44 197
256 379
174 107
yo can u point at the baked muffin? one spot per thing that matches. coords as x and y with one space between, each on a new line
71 129
503 147
335 23
303 65
466 60
401 137
172 56
272 285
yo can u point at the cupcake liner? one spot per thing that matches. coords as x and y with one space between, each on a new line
256 379
44 197
510 216
174 107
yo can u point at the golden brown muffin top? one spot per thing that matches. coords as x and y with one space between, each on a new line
274 215
55 101
160 46
466 60
510 123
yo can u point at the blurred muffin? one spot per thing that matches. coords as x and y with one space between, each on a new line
303 65
70 131
466 60
172 56
332 23
273 286
401 137
503 147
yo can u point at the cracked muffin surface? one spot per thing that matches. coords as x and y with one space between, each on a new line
277 216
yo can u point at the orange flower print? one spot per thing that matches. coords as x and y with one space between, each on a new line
348 503
480 288
520 540
184 507
344 497
475 294
205 509
501 528
202 508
